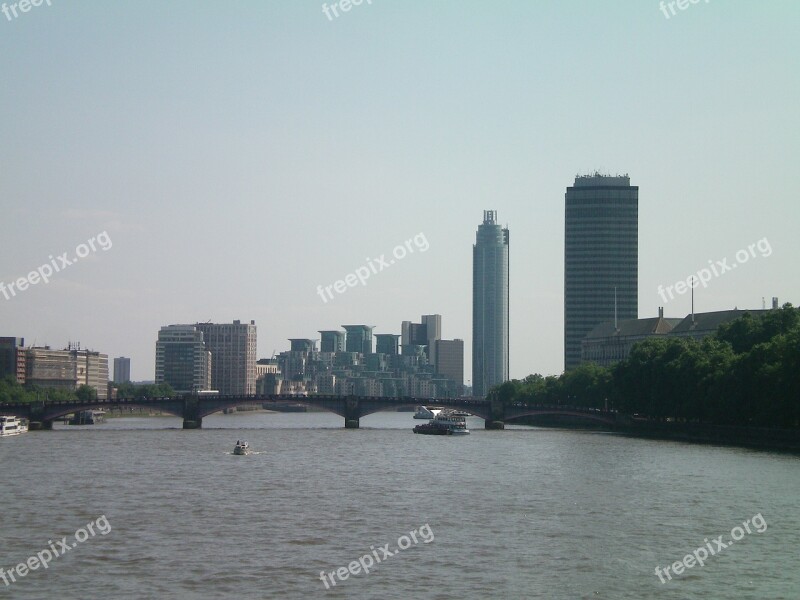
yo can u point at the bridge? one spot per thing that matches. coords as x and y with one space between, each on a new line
192 408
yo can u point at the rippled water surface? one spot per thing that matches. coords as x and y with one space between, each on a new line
520 513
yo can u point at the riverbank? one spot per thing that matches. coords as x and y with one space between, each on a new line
785 440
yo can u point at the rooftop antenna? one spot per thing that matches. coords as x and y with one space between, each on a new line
692 300
763 303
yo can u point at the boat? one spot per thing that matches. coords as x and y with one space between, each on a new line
88 417
10 425
444 424
423 412
241 448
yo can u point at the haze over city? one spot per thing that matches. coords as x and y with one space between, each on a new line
240 159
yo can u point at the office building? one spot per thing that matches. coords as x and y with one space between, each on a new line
490 305
182 359
122 369
601 257
422 334
233 356
449 357
12 358
67 369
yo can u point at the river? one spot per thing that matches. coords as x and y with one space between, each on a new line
521 513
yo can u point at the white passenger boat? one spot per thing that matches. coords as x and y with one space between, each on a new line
444 424
423 412
10 425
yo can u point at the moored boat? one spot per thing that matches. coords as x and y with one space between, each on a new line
10 425
423 412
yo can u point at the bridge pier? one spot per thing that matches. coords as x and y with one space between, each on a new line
497 414
351 413
191 413
46 425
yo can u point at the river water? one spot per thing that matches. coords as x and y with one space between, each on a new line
520 513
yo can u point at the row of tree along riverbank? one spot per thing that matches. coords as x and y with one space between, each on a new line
739 386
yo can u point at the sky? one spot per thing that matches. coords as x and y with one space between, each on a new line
229 158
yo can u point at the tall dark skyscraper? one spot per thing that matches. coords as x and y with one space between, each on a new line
601 254
489 305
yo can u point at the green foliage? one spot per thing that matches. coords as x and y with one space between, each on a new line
148 390
746 374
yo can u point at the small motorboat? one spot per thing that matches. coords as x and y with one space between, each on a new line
241 448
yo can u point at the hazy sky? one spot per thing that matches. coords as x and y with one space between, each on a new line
239 154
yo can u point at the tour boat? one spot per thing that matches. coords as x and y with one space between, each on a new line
12 426
423 412
241 448
444 424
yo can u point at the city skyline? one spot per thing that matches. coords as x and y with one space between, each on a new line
208 168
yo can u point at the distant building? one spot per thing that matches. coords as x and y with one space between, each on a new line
182 359
387 343
332 341
122 369
607 344
449 356
422 334
601 254
67 369
303 345
233 356
490 309
12 358
359 338
700 325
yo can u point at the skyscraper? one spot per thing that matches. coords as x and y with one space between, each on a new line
490 262
601 257
122 369
233 356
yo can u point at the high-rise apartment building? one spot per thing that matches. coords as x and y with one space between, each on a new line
490 287
233 356
359 338
387 343
601 257
122 369
332 341
182 359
